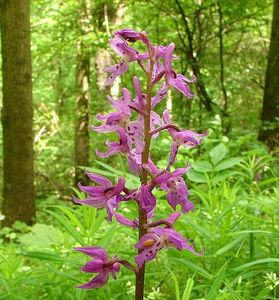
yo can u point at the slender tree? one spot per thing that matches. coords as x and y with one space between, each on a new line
269 131
17 113
201 90
83 95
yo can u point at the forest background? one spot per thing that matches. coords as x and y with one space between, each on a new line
234 178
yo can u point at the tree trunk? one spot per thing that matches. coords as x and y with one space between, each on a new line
201 90
17 113
83 95
269 131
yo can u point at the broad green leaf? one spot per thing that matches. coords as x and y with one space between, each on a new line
227 163
218 153
42 235
196 176
202 166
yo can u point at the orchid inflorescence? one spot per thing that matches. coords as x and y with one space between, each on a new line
135 136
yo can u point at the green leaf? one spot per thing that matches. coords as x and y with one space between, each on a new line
218 153
42 255
202 166
70 214
176 285
229 246
217 283
268 181
228 163
256 262
192 266
42 235
68 226
188 289
196 176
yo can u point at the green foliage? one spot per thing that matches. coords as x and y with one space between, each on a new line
235 223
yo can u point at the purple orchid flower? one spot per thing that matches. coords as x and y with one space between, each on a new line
117 119
146 199
132 36
116 147
102 196
178 81
186 138
176 188
127 53
99 264
159 238
124 146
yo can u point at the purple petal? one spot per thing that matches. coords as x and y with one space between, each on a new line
168 58
137 88
181 86
97 282
95 252
124 221
119 186
101 180
111 151
91 190
93 266
115 71
173 154
173 217
99 202
111 206
146 198
187 206
128 34
160 95
104 128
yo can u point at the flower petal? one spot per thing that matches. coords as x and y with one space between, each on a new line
95 252
97 282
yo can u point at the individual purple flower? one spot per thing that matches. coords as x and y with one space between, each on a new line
127 53
118 119
158 238
131 35
116 147
186 138
178 81
102 196
176 188
146 199
99 264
